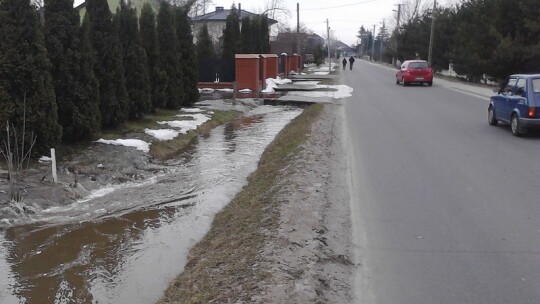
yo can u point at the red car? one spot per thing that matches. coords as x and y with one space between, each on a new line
414 71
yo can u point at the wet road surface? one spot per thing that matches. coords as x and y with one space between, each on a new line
445 207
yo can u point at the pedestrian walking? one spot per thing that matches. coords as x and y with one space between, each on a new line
344 63
351 62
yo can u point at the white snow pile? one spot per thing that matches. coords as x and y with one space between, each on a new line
186 125
338 91
321 73
245 91
44 159
180 126
135 143
306 83
226 90
191 110
206 90
162 134
272 83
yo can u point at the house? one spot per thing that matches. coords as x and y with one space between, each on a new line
216 20
114 4
286 43
344 50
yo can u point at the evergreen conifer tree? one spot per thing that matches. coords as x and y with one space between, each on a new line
88 94
190 67
265 35
25 80
246 36
205 46
256 35
76 92
170 57
149 39
135 62
231 36
109 67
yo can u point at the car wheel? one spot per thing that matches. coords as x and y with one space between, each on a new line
516 128
491 117
404 82
397 81
430 83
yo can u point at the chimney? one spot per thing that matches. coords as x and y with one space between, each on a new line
219 8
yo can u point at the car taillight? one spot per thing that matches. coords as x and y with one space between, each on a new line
532 112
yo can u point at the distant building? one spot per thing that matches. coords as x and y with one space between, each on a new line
114 4
286 43
344 50
216 21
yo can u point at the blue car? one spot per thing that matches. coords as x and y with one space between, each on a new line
517 103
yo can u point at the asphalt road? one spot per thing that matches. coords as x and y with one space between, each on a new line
445 208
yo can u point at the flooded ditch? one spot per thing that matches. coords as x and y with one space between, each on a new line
125 242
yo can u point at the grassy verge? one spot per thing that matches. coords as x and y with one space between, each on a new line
149 121
168 148
223 266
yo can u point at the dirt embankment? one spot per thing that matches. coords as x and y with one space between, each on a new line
285 238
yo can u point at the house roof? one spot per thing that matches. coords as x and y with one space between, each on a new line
220 14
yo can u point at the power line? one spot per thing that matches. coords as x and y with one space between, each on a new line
339 6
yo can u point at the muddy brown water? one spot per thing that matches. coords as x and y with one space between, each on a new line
125 243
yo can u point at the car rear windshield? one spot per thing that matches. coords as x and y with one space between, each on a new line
536 85
418 65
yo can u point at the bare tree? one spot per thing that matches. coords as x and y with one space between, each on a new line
201 7
17 155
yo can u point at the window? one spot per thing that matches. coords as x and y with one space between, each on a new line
536 85
520 87
508 86
418 65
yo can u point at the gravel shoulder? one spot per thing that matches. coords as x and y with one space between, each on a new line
286 237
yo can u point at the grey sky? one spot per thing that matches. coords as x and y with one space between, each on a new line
345 16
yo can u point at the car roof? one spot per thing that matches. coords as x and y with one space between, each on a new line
526 75
414 61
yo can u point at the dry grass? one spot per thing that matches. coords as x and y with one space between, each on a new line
223 267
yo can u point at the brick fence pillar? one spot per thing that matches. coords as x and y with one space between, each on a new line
247 72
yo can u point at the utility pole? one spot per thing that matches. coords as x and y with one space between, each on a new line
373 44
397 31
382 39
328 44
430 51
298 29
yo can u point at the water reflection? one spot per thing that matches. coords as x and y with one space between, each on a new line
127 244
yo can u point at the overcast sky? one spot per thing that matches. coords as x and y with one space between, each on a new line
345 16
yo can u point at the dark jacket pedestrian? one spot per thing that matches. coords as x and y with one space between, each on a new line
344 63
351 62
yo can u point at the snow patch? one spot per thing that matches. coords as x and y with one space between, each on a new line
191 110
44 159
135 143
245 91
162 134
186 125
338 91
272 83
